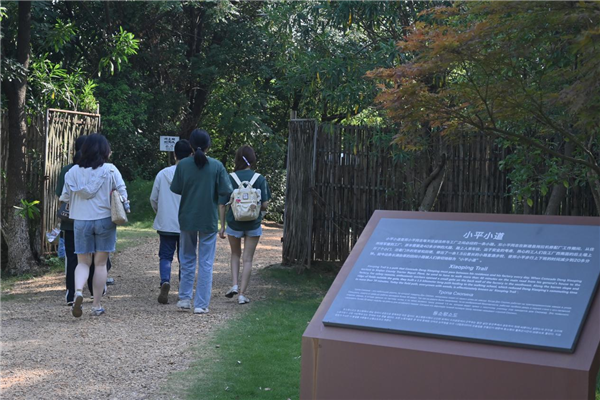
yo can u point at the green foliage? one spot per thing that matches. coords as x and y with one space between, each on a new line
138 192
523 72
29 209
329 48
123 45
139 228
127 123
233 68
52 86
60 34
55 264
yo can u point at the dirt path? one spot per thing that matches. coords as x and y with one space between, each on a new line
127 353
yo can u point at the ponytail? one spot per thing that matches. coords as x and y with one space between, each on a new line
200 142
200 158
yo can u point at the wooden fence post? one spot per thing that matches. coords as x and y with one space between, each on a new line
297 218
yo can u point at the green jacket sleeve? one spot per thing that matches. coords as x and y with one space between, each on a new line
177 184
225 199
265 192
224 187
61 181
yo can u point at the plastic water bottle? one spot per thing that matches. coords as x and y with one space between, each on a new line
52 235
127 206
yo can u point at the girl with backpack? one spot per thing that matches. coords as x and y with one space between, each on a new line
243 218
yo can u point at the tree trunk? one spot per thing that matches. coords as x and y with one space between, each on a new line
198 101
199 90
559 191
558 194
432 186
526 209
20 256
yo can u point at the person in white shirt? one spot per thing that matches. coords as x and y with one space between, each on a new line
87 189
166 206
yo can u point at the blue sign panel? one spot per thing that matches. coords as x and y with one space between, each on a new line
520 284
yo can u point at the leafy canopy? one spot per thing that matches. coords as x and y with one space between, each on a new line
499 68
523 72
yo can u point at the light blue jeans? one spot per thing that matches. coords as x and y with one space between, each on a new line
188 240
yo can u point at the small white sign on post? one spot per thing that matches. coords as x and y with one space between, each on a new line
167 143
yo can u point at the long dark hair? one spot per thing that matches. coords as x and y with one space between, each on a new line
94 152
200 142
78 145
244 158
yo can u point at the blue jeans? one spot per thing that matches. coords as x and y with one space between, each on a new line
168 245
188 240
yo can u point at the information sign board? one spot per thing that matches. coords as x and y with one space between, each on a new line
520 284
167 143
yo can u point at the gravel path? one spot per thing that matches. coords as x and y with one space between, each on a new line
129 352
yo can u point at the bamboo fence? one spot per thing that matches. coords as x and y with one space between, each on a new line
349 172
63 129
299 200
50 146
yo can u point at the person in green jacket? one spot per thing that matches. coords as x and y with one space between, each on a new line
200 180
251 231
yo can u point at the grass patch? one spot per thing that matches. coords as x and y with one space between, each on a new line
259 351
139 192
141 217
266 340
134 234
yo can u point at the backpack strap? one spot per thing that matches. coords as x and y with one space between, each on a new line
254 178
235 178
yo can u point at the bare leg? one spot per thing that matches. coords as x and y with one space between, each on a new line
100 273
250 244
82 271
236 253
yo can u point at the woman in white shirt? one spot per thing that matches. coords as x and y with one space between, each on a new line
87 189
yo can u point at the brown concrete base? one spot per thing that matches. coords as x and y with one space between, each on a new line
340 363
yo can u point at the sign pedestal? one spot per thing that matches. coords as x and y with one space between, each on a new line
348 363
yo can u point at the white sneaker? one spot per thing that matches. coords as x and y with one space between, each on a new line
184 304
76 308
200 310
243 299
97 311
232 292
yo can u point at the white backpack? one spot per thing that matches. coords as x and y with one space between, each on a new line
245 200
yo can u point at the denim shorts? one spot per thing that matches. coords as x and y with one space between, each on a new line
241 234
93 236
